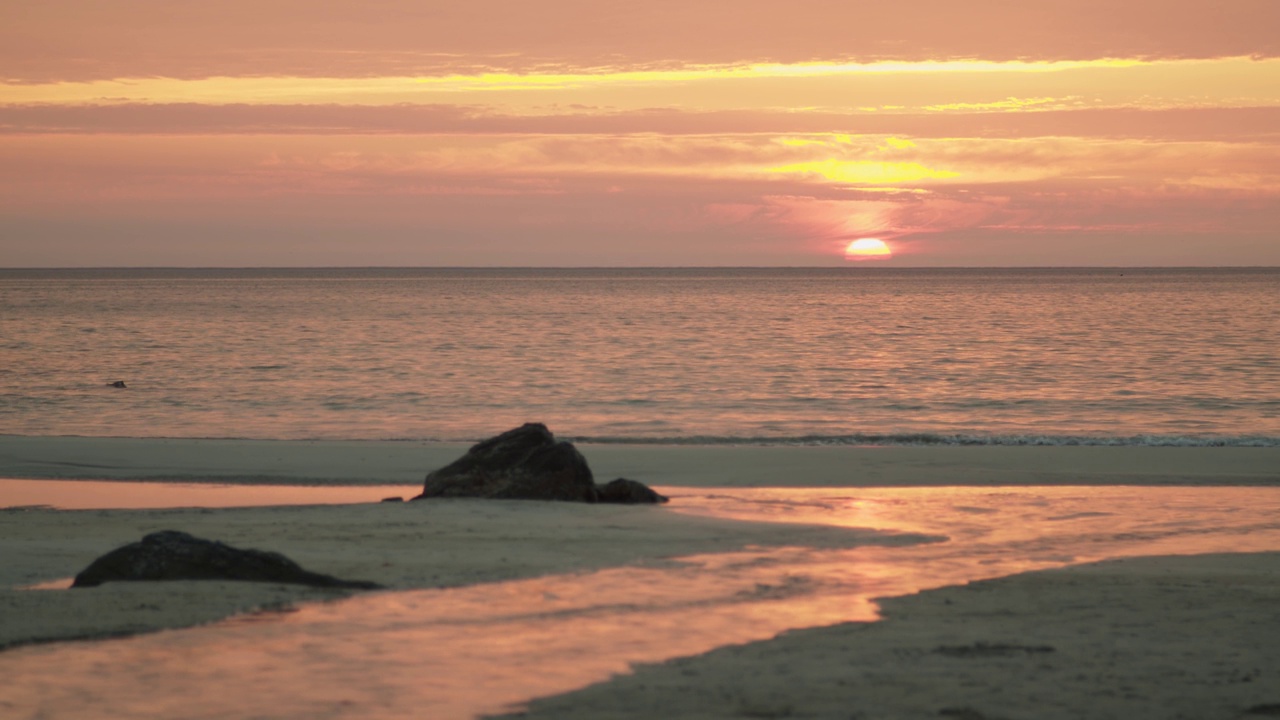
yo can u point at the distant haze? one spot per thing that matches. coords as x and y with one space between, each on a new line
575 133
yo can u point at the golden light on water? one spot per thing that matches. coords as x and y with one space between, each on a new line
867 249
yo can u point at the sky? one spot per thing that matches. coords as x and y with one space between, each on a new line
639 133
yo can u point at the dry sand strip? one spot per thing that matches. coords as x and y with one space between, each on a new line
1194 637
441 543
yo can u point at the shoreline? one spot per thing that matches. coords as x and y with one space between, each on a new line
287 462
1119 629
471 542
1146 637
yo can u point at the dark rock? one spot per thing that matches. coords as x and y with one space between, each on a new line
174 555
118 384
628 492
523 464
393 499
528 463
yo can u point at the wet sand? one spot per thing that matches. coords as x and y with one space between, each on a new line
445 543
1193 637
396 463
1162 637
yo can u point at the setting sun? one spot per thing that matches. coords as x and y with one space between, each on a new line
867 249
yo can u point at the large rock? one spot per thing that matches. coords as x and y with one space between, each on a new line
175 555
526 463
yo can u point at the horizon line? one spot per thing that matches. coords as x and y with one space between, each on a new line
860 266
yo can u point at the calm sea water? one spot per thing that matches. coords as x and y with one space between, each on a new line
846 355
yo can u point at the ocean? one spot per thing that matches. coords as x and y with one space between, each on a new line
790 356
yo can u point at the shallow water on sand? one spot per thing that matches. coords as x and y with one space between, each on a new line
91 494
462 652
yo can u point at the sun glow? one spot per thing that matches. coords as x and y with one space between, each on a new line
859 172
867 249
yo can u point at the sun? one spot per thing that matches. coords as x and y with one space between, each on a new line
867 249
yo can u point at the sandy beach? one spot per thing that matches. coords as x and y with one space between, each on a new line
1192 636
1161 637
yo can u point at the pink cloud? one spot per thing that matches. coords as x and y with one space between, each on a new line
628 199
1185 124
86 39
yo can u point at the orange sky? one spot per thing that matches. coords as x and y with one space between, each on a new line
567 132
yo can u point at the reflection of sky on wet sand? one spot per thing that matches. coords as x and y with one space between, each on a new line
459 652
92 494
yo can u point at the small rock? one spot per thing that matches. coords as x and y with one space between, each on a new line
628 492
175 555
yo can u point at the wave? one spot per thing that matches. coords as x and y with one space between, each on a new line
920 439
906 439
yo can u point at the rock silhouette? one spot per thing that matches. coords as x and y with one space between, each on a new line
628 492
526 463
175 555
